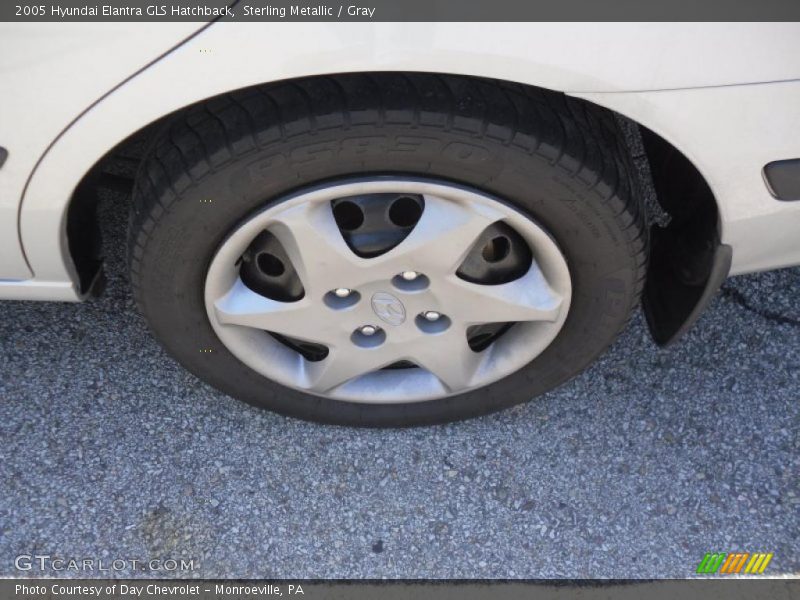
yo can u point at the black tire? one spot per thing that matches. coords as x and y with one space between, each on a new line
560 160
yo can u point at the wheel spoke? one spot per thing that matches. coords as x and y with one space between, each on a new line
529 298
242 306
449 357
315 246
442 237
342 365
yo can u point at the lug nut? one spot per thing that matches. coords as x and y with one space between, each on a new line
368 330
342 292
409 275
431 315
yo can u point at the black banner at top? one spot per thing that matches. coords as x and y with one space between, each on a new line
398 10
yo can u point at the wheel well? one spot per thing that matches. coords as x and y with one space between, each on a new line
684 217
116 172
688 263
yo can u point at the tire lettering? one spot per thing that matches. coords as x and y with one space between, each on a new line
363 145
321 151
465 153
407 143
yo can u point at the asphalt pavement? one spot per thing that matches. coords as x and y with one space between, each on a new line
636 468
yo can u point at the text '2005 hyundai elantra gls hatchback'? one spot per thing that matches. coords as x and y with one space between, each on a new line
394 224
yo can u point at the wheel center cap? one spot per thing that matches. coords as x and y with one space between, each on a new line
388 308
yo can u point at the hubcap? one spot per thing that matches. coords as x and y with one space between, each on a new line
395 321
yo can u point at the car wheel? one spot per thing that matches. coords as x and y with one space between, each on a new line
387 250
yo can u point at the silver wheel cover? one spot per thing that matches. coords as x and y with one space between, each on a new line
452 219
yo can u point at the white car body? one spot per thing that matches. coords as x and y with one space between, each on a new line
727 96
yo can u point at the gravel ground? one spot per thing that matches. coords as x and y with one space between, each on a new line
634 469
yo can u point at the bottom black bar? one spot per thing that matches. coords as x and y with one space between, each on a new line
63 589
